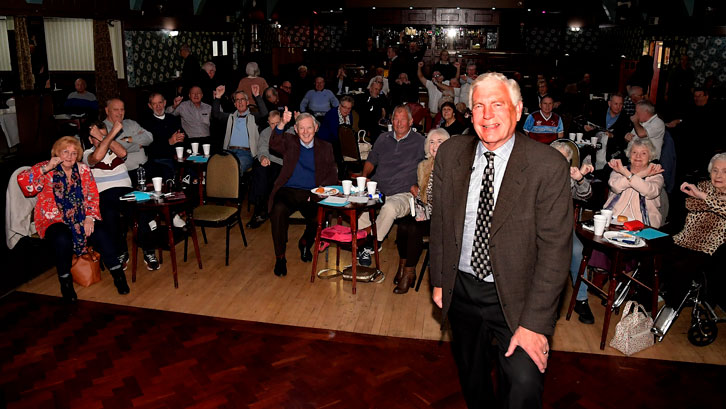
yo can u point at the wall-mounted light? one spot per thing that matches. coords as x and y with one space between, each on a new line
173 33
451 33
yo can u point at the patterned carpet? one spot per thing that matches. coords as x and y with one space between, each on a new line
94 355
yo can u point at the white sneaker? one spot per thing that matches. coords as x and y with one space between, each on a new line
178 222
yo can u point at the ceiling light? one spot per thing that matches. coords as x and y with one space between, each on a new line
410 7
374 7
451 33
494 8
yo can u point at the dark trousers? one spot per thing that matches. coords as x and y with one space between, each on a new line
476 317
409 239
263 178
111 208
287 201
60 237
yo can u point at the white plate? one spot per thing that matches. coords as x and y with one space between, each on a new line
327 191
615 237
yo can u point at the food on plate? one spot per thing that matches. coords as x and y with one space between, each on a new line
622 218
322 190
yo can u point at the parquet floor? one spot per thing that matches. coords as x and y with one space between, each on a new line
248 290
98 355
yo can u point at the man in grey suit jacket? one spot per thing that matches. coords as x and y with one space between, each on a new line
528 244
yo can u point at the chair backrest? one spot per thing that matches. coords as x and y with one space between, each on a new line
223 176
348 143
575 151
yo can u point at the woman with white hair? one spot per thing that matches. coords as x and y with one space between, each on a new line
411 231
701 242
252 78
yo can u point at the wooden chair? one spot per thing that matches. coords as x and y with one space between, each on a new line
223 185
349 149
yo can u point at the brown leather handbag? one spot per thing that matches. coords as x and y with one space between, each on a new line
86 268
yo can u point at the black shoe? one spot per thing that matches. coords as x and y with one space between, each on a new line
256 222
582 308
67 290
364 256
124 260
281 267
305 254
119 280
152 263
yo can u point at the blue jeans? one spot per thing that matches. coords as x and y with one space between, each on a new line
245 159
575 267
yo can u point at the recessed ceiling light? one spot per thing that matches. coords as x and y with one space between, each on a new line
410 7
458 8
374 7
331 11
529 9
494 8
341 9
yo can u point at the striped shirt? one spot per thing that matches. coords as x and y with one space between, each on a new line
110 172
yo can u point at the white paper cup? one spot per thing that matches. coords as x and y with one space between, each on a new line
608 216
360 89
347 89
599 221
206 148
157 181
347 184
390 128
579 136
195 148
372 187
593 140
361 180
423 104
606 96
179 152
573 136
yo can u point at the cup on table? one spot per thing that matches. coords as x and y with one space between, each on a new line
390 128
360 89
179 152
361 180
157 181
195 148
372 187
579 137
608 216
206 148
593 140
347 89
423 104
347 185
573 136
606 96
599 221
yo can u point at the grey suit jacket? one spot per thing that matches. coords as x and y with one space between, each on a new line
531 241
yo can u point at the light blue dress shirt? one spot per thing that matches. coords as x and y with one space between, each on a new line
501 157
240 136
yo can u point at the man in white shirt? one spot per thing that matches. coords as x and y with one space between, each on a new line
646 124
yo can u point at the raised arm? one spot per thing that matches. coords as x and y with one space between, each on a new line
420 73
106 142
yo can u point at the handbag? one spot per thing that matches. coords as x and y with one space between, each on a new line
364 147
632 334
86 268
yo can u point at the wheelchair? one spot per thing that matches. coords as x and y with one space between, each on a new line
704 319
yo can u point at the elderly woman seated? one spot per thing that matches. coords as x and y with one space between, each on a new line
66 212
409 239
636 193
703 236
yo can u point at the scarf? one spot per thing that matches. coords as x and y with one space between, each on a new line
69 199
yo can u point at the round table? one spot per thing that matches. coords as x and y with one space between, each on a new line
352 210
649 256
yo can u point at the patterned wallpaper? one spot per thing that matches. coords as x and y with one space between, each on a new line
707 56
153 56
324 37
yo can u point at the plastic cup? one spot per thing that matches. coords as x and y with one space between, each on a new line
206 148
195 148
599 221
179 152
157 181
347 89
361 181
593 140
390 128
579 136
608 216
573 136
372 187
347 185
360 89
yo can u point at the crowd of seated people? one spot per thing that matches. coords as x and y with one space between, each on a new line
285 134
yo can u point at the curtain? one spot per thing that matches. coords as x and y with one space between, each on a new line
22 44
106 79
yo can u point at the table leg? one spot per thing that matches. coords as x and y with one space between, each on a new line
617 265
656 284
134 247
201 187
316 246
354 244
374 231
190 220
172 250
586 253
